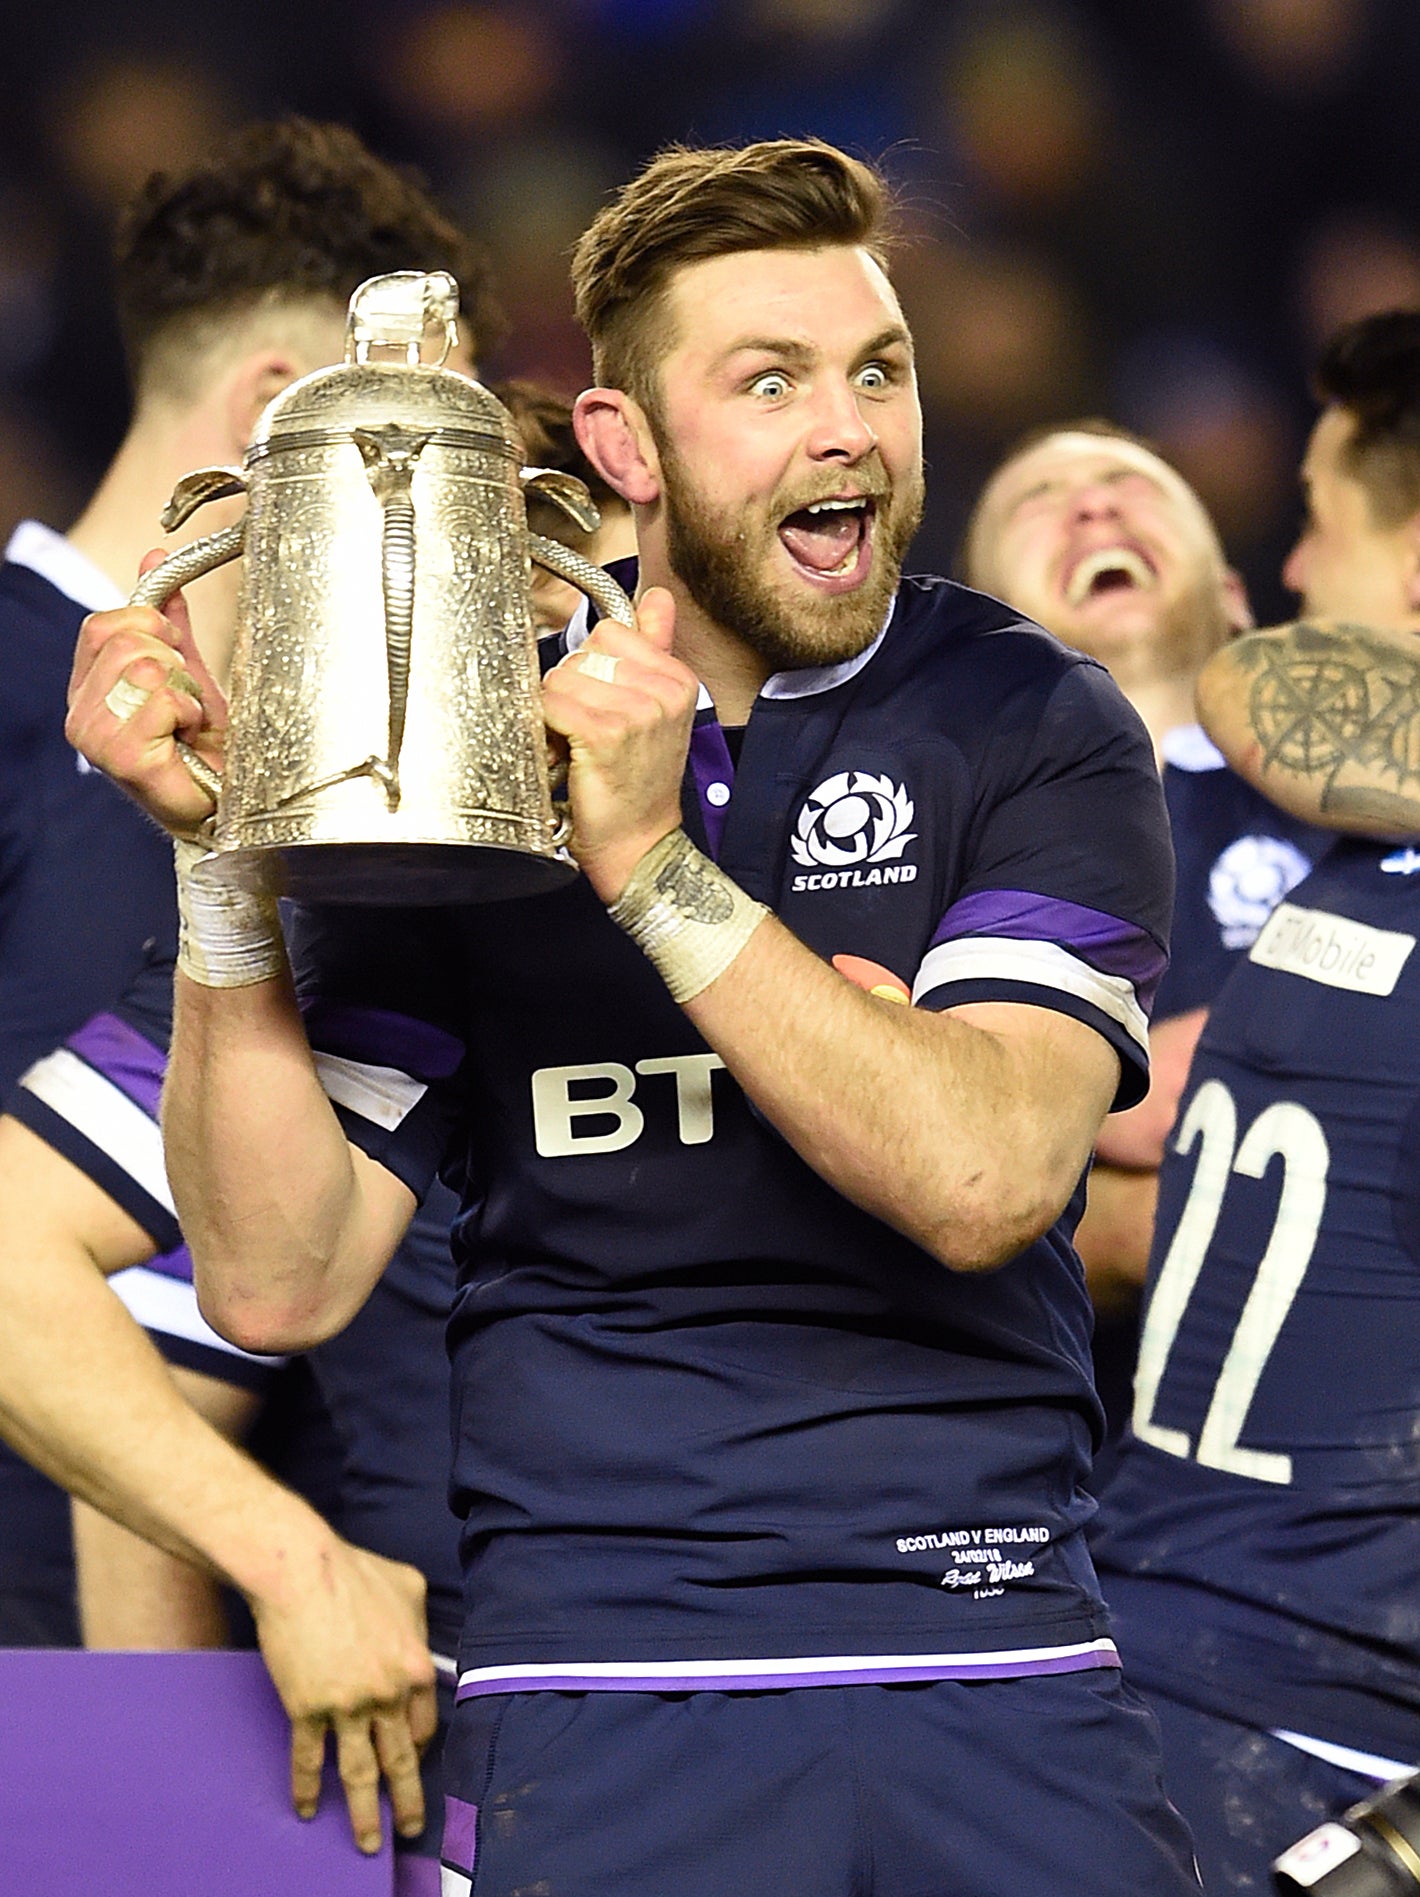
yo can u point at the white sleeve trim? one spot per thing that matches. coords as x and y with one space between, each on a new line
162 1303
1364 1764
1044 964
382 1095
105 1115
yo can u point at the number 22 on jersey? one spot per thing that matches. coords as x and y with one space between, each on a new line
1283 1130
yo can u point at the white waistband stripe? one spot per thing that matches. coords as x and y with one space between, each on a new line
815 1670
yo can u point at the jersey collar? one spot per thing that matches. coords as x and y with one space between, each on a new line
805 682
54 558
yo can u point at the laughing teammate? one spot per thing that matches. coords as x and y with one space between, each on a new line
771 1350
1087 529
1261 1535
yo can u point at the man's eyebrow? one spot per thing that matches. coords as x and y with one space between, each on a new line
786 348
793 350
895 336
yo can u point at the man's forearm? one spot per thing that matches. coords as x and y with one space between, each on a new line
84 1395
273 1201
954 1133
1324 719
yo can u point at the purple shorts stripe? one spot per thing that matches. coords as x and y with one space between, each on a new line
460 1834
125 1057
757 1680
383 1039
710 764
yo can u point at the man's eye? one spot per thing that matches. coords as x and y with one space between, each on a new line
873 377
772 383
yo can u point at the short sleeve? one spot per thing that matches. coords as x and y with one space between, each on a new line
1066 897
95 1101
376 993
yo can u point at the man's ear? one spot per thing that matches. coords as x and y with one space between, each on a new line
616 438
1236 604
256 380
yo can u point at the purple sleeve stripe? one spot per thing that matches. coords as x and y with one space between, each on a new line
1104 941
710 764
123 1056
382 1038
174 1264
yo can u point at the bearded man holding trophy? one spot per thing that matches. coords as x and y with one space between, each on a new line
772 1394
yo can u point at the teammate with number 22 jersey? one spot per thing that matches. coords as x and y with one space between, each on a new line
1259 1544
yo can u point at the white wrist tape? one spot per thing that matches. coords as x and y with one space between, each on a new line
685 914
227 938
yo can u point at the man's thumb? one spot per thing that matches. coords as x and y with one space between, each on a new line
655 616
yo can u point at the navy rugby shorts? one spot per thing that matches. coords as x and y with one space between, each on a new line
1246 1794
1034 1787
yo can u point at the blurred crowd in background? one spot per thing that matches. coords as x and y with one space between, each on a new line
1154 209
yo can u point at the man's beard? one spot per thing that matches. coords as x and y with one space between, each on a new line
722 567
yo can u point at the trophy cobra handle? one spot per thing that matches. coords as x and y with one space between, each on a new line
598 586
157 587
589 579
566 491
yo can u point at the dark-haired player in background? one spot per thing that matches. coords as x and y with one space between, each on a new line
1089 530
232 280
1260 1542
771 1352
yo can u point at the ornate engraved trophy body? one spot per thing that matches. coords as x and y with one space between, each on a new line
386 742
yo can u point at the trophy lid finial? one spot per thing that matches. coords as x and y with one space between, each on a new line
398 311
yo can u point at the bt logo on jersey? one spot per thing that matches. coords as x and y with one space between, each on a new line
568 1123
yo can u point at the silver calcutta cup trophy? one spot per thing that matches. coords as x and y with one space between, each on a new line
386 742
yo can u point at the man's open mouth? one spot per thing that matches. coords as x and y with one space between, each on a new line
1108 570
831 540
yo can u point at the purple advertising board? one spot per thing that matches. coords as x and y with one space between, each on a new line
161 1775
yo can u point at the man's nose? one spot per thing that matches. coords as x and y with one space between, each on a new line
1096 500
840 430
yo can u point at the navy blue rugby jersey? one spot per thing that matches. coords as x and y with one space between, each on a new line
1262 1535
714 1424
382 1384
1237 857
85 879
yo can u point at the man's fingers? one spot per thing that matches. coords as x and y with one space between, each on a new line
398 1752
127 630
634 642
424 1714
615 672
360 1775
307 1759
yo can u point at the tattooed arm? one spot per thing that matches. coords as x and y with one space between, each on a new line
1324 718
